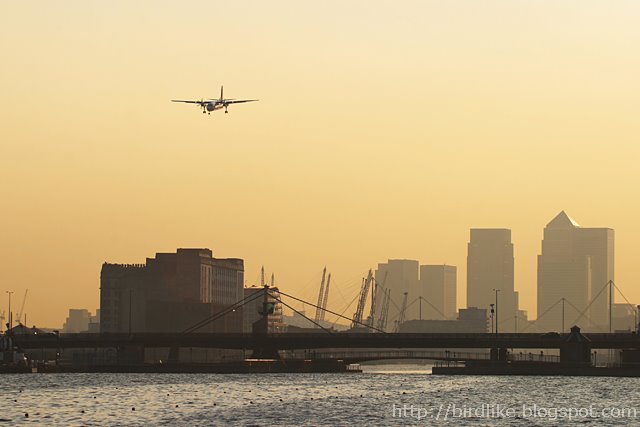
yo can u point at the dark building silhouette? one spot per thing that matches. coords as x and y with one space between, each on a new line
171 292
470 320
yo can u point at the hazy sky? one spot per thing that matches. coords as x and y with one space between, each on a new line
384 130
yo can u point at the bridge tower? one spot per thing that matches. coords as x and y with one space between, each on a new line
260 328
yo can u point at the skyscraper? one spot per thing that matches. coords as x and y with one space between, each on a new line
574 268
401 276
490 266
438 288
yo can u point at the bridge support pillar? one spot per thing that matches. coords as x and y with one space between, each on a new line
499 355
174 355
131 354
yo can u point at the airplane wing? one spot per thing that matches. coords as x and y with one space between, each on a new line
188 102
239 101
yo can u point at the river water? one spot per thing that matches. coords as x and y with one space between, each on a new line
382 395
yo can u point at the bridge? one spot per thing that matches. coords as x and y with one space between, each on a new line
442 355
293 341
574 348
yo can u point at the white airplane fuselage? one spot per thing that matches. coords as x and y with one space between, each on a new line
213 106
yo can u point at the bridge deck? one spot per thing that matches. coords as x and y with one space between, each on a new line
291 341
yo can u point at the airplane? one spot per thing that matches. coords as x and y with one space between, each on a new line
209 105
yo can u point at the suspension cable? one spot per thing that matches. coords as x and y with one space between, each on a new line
586 317
345 309
582 313
333 312
301 314
221 313
542 315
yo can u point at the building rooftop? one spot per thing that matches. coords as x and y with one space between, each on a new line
562 220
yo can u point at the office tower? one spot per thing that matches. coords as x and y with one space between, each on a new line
438 289
574 268
171 292
401 276
489 267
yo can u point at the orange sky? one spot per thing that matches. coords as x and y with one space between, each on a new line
383 130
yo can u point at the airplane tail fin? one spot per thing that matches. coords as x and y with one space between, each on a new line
221 92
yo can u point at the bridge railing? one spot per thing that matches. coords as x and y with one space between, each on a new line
445 355
391 354
533 357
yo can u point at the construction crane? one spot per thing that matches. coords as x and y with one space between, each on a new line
364 291
24 299
325 299
2 319
273 280
262 277
374 298
384 311
403 309
319 309
372 311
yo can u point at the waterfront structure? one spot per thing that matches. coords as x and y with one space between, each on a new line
438 288
574 268
490 266
171 292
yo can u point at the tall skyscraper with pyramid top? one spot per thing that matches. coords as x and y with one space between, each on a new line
574 268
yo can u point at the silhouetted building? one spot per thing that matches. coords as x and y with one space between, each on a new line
94 323
171 292
475 318
470 320
438 288
490 266
77 321
576 264
401 277
624 317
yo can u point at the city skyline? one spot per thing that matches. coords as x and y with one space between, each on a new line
413 270
366 144
424 212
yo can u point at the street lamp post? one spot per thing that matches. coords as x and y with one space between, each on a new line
497 290
563 315
492 312
130 298
10 316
